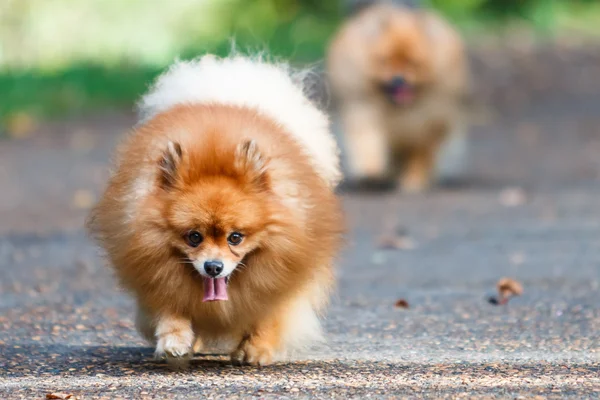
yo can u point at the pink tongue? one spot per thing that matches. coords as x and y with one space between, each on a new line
214 289
403 95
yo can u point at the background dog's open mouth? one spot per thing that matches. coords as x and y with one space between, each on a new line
215 289
402 94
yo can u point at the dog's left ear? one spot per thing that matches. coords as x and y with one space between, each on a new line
169 163
376 26
250 161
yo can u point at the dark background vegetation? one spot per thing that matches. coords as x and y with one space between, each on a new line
62 57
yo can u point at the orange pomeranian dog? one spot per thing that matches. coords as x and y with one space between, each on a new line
400 76
220 217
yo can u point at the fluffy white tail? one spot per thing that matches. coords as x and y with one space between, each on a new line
271 88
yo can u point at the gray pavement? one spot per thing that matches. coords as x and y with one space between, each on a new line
528 208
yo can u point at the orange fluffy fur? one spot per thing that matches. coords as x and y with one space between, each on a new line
386 140
232 168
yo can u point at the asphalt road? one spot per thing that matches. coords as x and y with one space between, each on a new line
528 208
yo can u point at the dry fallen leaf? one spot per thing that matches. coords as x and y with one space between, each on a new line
58 396
401 303
396 242
512 197
508 287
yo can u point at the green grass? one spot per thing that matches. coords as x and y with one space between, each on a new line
86 87
76 89
121 47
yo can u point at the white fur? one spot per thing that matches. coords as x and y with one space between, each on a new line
269 88
302 326
301 329
174 340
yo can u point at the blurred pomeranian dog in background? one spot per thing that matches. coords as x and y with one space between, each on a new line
399 78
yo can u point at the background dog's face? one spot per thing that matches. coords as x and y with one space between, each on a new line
400 61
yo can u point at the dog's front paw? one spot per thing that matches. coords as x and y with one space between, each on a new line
174 340
176 348
253 354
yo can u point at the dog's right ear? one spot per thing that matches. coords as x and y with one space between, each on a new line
168 164
250 161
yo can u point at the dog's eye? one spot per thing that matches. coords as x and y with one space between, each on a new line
194 238
235 238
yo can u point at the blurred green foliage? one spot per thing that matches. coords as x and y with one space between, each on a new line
65 56
545 16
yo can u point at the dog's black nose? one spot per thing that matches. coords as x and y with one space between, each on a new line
397 81
213 267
